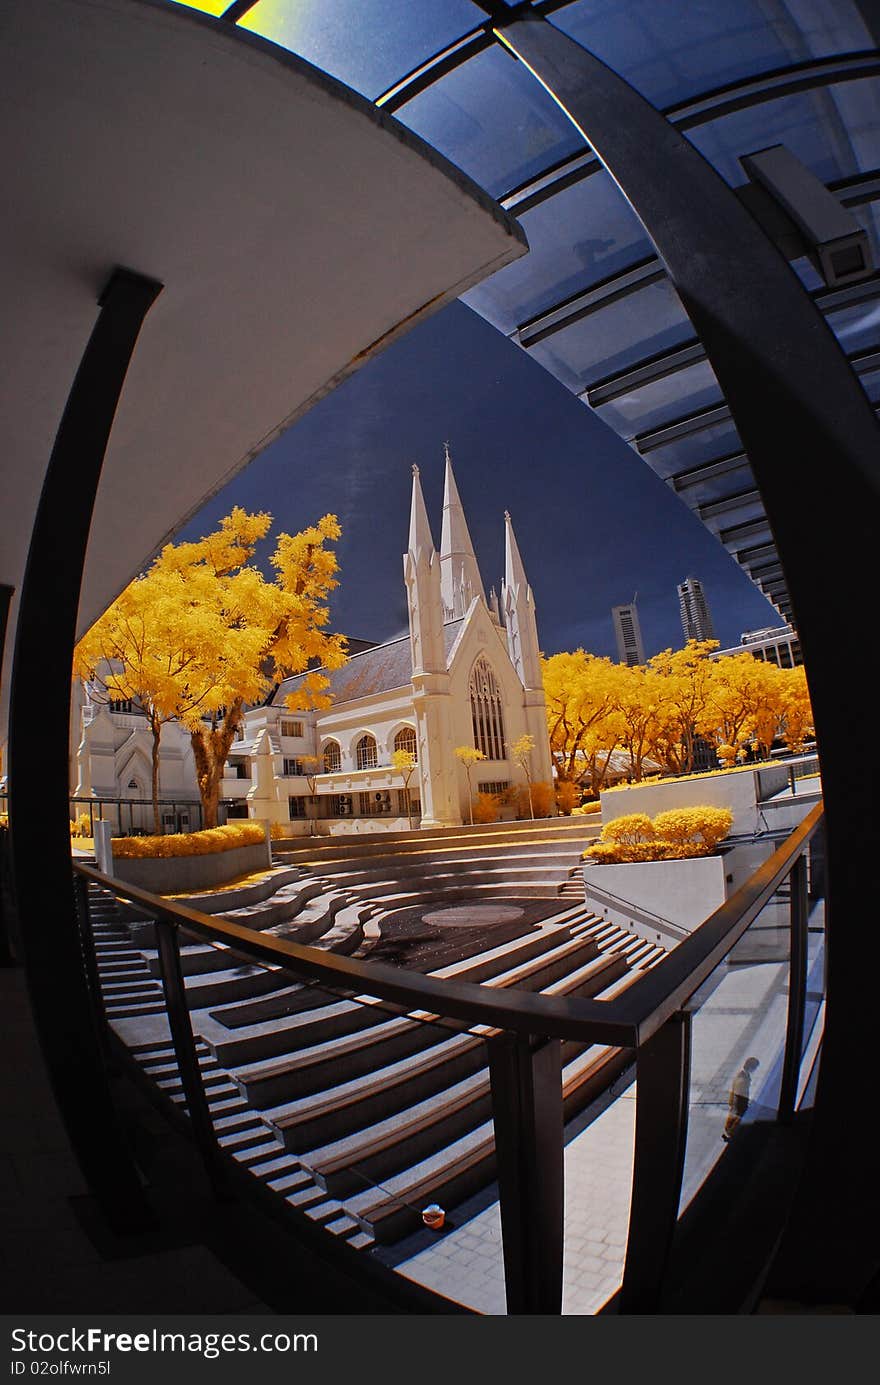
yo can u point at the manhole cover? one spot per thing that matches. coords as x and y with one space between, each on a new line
473 915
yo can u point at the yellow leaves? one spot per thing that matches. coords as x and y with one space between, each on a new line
468 755
204 843
657 711
403 761
673 835
521 750
629 829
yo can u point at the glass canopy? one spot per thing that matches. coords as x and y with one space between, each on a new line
591 301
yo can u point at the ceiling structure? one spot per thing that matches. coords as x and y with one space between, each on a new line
255 322
592 301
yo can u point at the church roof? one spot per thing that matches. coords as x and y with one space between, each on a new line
380 669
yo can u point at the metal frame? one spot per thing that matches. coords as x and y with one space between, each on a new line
49 936
812 438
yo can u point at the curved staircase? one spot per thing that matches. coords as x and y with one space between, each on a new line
355 1114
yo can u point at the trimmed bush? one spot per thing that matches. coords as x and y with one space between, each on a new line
705 824
487 807
629 830
675 835
204 843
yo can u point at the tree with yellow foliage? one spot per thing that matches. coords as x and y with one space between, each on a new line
687 683
580 691
798 714
404 764
468 755
738 693
215 634
521 753
641 703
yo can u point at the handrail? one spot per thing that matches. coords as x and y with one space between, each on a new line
638 911
668 986
590 1021
626 1021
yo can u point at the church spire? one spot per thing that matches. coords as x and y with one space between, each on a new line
421 573
459 575
518 605
419 526
514 572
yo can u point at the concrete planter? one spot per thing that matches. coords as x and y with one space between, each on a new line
740 790
661 901
188 874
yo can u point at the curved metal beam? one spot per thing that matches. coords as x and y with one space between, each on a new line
38 757
812 437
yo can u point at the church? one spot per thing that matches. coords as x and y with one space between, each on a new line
468 673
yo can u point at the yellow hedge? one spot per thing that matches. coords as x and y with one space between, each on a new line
674 835
204 843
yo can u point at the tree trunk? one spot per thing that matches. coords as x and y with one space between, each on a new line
156 728
211 745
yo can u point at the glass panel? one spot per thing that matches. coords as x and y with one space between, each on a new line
720 440
640 325
662 401
368 44
738 1034
832 131
868 216
814 1013
577 238
679 48
856 327
871 385
598 1188
493 120
700 492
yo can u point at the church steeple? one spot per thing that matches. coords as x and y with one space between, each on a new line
459 575
420 536
518 605
421 573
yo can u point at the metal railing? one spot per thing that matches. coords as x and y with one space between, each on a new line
524 1033
637 912
135 815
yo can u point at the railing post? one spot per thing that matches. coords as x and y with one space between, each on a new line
187 1058
90 961
527 1108
797 990
662 1089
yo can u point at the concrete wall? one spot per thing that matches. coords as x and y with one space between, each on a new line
737 790
683 892
184 874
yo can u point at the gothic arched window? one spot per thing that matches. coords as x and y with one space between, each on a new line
332 758
367 754
486 711
406 740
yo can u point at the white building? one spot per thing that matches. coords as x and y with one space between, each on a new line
468 673
776 644
628 634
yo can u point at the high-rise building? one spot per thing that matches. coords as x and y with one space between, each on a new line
776 644
628 633
696 619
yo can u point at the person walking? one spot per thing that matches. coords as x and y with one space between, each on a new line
739 1097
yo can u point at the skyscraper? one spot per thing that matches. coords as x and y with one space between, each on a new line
696 620
628 633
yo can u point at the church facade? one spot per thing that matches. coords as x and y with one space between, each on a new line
468 673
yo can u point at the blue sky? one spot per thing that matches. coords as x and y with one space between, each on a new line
593 522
